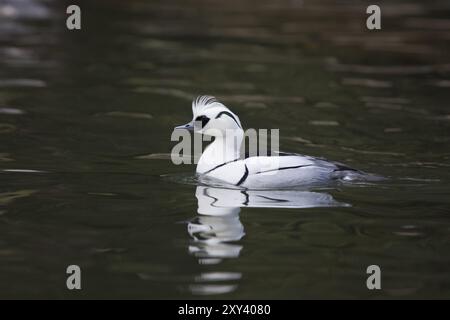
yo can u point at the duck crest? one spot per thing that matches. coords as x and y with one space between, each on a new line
203 102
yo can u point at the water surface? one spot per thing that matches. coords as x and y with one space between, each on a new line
85 125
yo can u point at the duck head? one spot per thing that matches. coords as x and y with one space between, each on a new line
211 118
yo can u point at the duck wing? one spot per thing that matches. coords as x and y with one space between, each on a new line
289 170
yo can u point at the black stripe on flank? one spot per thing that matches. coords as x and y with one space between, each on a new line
244 177
273 199
220 165
285 168
228 114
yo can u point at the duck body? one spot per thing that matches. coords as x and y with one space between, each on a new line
284 171
221 160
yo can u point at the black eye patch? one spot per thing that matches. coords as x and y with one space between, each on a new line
203 119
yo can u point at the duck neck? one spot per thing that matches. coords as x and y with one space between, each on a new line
223 149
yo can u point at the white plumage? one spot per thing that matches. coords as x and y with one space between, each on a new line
221 159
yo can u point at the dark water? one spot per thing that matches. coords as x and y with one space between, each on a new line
85 124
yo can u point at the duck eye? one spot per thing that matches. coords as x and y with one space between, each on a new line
203 119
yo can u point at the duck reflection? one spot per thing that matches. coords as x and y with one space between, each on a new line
217 229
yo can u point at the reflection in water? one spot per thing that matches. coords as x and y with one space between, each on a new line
82 104
217 228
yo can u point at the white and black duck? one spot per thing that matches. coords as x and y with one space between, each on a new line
221 160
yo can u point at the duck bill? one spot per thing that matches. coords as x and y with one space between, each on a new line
187 126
